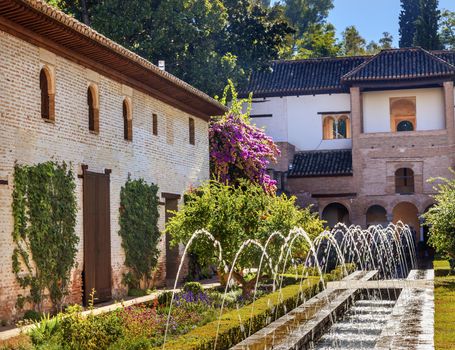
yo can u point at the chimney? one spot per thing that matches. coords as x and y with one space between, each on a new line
162 65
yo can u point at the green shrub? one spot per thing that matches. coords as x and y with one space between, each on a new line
193 287
90 332
32 315
165 298
139 231
45 329
134 292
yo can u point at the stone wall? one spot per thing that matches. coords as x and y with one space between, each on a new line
166 159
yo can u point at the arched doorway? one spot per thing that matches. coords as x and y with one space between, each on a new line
376 215
408 213
335 213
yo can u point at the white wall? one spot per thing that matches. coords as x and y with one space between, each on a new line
429 108
277 125
296 119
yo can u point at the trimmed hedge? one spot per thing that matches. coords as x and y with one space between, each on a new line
266 309
232 332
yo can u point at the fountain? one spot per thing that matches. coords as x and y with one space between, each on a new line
358 307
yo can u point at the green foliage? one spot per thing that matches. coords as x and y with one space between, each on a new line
440 218
89 332
32 315
165 298
304 13
353 43
235 214
318 41
410 10
45 329
447 29
203 42
427 24
44 211
193 287
139 230
231 332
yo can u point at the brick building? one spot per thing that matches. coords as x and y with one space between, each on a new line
360 136
69 94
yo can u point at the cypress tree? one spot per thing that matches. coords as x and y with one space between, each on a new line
409 13
427 26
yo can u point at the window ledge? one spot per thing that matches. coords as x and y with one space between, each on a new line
404 133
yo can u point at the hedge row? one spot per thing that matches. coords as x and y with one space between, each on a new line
231 332
265 310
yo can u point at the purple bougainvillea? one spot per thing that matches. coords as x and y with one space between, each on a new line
239 149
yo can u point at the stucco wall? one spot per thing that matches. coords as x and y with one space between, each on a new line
296 120
429 108
167 159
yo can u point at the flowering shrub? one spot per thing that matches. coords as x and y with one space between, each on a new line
239 149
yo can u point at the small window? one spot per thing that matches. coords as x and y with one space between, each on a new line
155 124
127 120
191 131
404 181
405 125
93 109
336 127
47 95
403 114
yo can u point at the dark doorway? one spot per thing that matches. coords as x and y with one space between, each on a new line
97 237
172 253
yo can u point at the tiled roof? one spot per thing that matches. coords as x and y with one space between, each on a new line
331 75
300 77
59 29
448 56
399 64
322 163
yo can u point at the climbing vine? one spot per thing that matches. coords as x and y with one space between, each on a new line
139 231
44 210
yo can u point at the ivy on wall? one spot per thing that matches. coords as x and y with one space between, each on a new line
139 231
44 210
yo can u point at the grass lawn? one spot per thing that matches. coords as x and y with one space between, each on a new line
444 323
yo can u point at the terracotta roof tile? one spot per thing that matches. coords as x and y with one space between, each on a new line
400 64
322 163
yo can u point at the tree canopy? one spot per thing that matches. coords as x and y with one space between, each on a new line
410 10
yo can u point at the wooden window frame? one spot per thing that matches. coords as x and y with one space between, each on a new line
192 131
155 124
47 92
127 120
330 132
408 181
93 109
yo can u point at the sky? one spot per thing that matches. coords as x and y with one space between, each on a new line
372 17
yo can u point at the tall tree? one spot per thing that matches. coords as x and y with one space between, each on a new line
410 10
426 34
353 43
386 41
203 42
304 13
318 41
447 29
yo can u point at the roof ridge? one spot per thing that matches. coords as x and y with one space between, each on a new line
439 59
325 150
290 61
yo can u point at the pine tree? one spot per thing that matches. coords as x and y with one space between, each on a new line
427 35
409 13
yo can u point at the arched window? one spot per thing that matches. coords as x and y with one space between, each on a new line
403 113
329 127
336 127
191 131
335 213
47 95
93 109
404 181
405 125
127 120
